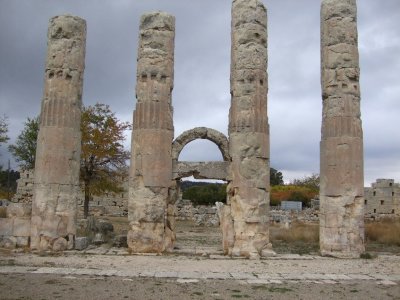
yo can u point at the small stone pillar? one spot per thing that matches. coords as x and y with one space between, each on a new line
342 182
248 188
56 184
152 136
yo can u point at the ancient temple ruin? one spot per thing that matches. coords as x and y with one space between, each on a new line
342 174
156 171
56 185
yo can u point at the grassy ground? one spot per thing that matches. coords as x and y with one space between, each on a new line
300 238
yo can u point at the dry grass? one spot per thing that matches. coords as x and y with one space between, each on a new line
386 231
3 212
297 232
121 224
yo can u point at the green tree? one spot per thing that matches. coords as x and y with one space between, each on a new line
3 130
206 194
24 149
103 157
8 183
275 177
311 182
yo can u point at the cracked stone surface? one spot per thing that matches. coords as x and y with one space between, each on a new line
245 219
152 136
56 186
342 182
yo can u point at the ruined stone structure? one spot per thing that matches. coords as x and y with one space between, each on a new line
153 132
383 197
248 189
246 155
342 182
156 171
56 186
24 192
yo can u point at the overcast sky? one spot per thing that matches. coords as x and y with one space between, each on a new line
202 63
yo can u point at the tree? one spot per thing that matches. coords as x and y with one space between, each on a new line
24 149
103 158
3 130
276 177
8 183
311 182
206 194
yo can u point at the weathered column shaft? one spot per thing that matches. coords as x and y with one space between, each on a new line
342 182
56 186
248 190
153 132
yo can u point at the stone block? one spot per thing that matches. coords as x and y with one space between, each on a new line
22 227
81 243
60 244
19 210
8 242
6 226
22 241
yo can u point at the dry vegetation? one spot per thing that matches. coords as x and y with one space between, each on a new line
3 212
300 238
386 232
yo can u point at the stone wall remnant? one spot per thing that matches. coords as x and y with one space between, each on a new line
248 189
153 132
56 186
24 192
383 197
342 182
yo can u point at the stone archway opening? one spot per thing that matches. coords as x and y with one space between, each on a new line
197 223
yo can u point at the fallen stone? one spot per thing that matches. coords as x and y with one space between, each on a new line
81 243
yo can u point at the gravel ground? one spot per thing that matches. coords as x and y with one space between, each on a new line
50 286
83 276
196 270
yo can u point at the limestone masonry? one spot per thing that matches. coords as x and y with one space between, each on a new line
245 222
153 132
342 182
383 197
56 185
49 222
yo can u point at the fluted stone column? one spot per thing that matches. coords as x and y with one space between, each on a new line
248 189
342 182
153 132
56 186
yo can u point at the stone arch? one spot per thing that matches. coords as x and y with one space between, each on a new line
212 135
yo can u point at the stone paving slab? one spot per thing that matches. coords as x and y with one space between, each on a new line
187 277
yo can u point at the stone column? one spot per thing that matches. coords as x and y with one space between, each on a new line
153 132
342 182
56 186
248 189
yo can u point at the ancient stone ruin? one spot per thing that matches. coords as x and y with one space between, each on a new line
56 185
156 171
342 174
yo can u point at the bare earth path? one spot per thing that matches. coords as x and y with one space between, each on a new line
90 276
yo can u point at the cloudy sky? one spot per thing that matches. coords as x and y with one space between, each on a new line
202 57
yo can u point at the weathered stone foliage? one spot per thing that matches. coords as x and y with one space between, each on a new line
56 185
342 182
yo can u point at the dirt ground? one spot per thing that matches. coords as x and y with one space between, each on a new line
46 286
197 270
